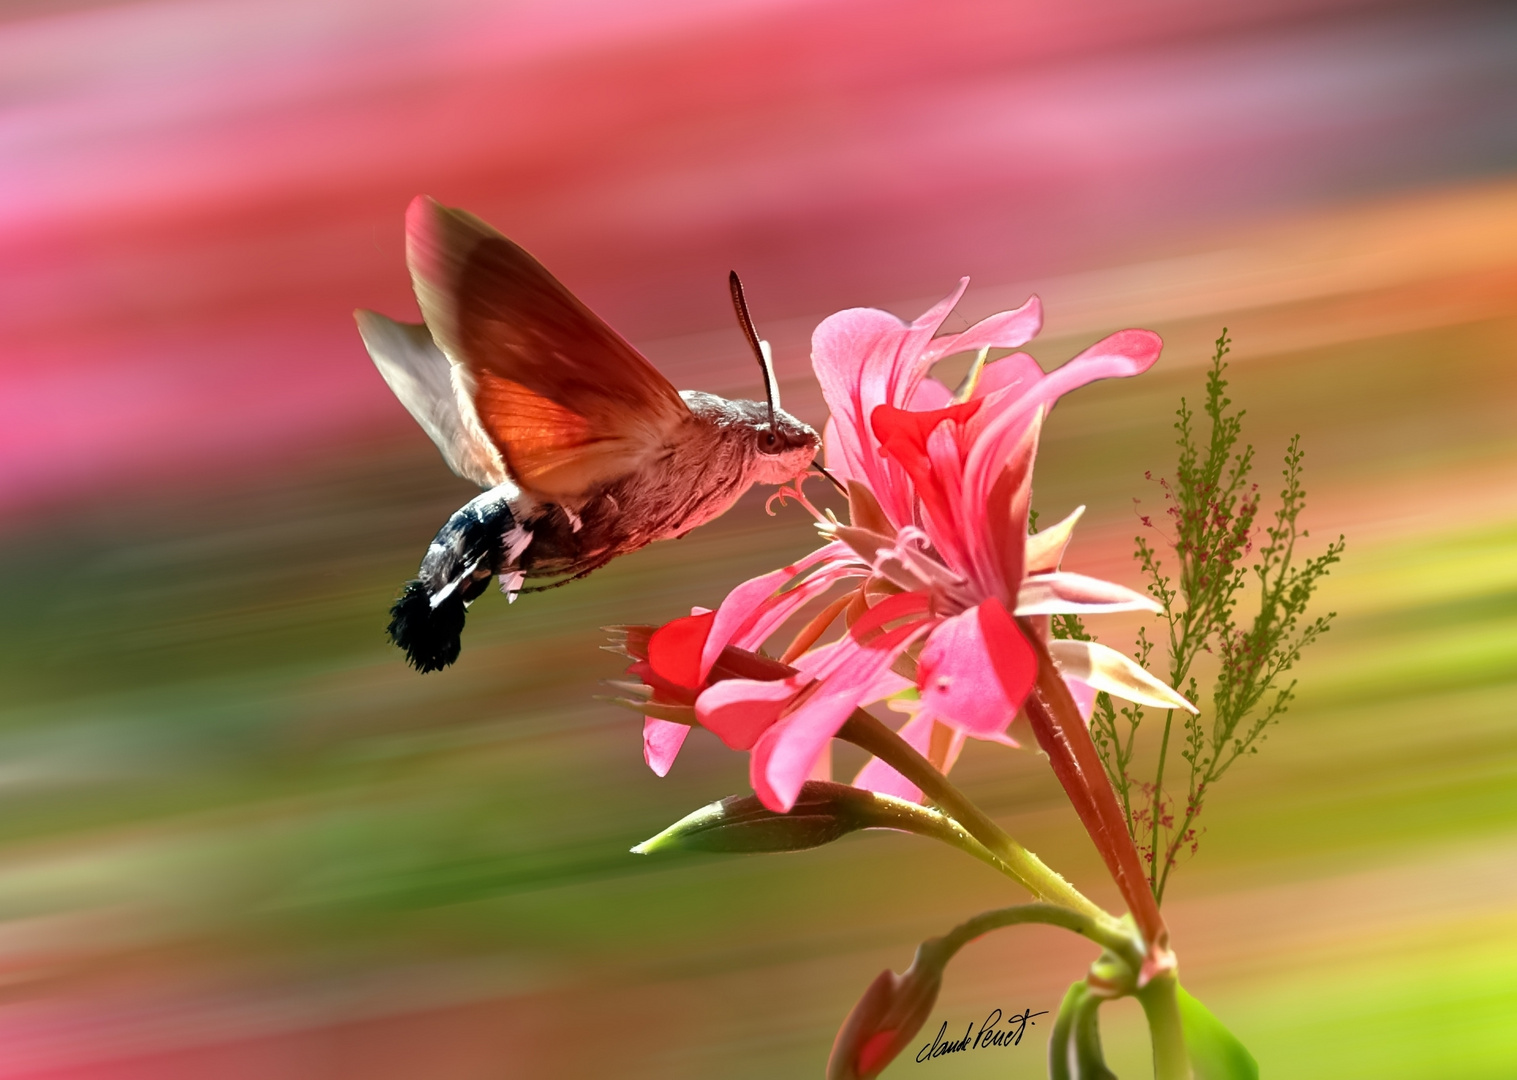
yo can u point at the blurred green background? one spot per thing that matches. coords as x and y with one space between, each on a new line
240 838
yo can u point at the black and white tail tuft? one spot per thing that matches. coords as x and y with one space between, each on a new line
430 636
428 618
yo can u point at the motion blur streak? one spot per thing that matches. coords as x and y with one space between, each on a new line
241 838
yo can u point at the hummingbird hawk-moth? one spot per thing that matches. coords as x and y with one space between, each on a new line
585 450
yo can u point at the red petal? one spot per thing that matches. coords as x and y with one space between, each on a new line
903 433
674 651
931 447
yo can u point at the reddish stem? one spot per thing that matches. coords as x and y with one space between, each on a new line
1063 736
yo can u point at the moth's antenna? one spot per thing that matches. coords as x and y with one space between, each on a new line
760 348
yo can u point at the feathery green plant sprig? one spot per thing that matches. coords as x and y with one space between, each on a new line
1212 507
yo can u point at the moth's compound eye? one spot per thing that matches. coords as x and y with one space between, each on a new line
770 443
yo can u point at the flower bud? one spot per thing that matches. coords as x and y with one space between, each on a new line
888 1016
822 813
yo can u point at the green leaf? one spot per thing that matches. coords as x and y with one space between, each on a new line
1215 1052
823 812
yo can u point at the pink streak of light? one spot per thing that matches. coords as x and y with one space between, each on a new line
196 195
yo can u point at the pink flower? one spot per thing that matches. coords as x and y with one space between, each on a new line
865 358
675 663
939 487
784 715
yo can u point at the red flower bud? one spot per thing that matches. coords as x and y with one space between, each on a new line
888 1016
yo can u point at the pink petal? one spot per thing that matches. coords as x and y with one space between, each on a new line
841 562
975 670
1004 330
755 609
821 768
835 456
739 711
888 684
888 610
674 650
997 491
861 362
933 317
827 661
1084 695
738 612
661 743
863 359
877 776
1011 377
785 754
930 394
1127 352
1023 387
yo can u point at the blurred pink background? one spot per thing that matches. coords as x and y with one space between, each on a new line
195 194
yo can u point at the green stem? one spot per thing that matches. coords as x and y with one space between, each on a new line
1061 1038
1161 1007
934 824
1127 947
1155 807
1087 1040
1124 759
868 733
